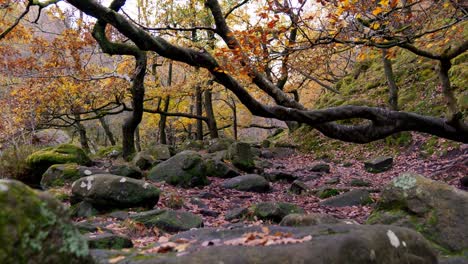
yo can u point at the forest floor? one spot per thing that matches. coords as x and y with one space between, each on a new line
448 168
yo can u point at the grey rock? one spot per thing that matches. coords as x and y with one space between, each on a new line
248 183
353 197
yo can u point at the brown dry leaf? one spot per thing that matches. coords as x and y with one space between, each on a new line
116 259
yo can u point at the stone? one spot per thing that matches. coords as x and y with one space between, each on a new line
320 167
241 156
299 187
275 211
169 220
275 176
41 160
311 219
353 197
219 144
186 169
127 171
464 182
324 244
106 192
248 183
35 228
333 180
435 209
217 168
208 195
326 192
83 209
236 213
87 227
379 164
265 143
60 174
108 241
198 202
160 151
119 215
359 183
143 160
211 213
267 154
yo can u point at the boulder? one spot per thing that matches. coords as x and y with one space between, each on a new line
298 187
353 197
160 152
326 192
359 183
219 144
240 154
218 168
186 169
320 167
169 220
275 176
437 210
50 137
143 160
41 160
60 174
127 171
108 241
333 180
311 219
106 192
237 213
248 183
320 244
35 228
83 209
379 164
275 211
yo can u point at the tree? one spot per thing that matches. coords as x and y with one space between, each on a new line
377 123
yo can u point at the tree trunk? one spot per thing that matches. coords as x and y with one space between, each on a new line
107 131
82 132
392 86
137 139
162 122
210 114
138 93
454 115
234 118
199 111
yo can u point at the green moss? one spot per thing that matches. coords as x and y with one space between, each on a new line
326 193
104 152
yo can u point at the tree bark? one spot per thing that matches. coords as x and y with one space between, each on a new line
454 115
82 132
137 139
162 122
107 130
199 111
392 86
210 114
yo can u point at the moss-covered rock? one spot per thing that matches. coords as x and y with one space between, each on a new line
169 220
218 168
160 151
143 160
435 209
59 174
34 228
127 171
41 160
379 164
186 169
275 211
310 219
248 183
241 156
353 197
106 192
219 144
108 241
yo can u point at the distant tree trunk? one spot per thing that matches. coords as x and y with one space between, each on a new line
162 122
107 131
454 116
210 114
189 127
82 132
392 86
138 93
163 118
137 139
234 117
199 111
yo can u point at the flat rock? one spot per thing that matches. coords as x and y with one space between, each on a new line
379 164
248 183
169 220
106 192
108 241
353 197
